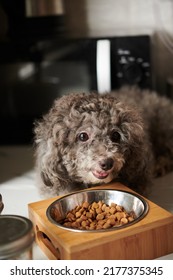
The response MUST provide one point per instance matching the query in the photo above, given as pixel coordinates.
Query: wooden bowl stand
(150, 238)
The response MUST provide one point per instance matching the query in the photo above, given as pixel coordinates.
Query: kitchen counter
(17, 186)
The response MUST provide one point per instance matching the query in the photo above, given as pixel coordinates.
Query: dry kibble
(101, 222)
(85, 223)
(70, 216)
(78, 214)
(98, 210)
(79, 220)
(103, 207)
(106, 225)
(85, 204)
(75, 224)
(112, 210)
(96, 215)
(78, 207)
(99, 217)
(84, 218)
(88, 215)
(99, 227)
(124, 220)
(107, 209)
(95, 205)
(118, 208)
(92, 227)
(130, 219)
(112, 221)
(113, 205)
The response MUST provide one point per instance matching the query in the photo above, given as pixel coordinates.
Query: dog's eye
(115, 136)
(83, 136)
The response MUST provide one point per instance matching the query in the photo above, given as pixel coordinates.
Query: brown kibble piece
(106, 225)
(89, 215)
(112, 210)
(100, 217)
(124, 220)
(95, 205)
(113, 205)
(120, 215)
(78, 214)
(101, 222)
(103, 207)
(85, 204)
(118, 208)
(130, 219)
(98, 210)
(111, 221)
(70, 217)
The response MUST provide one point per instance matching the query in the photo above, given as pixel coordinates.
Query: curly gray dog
(91, 139)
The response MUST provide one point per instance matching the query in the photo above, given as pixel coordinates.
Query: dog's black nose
(106, 164)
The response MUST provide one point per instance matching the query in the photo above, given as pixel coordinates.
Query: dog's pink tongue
(100, 174)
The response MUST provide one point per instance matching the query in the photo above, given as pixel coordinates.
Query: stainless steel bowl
(130, 202)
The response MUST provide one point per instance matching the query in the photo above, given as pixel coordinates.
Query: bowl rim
(145, 212)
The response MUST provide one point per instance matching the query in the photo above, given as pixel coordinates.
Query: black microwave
(115, 61)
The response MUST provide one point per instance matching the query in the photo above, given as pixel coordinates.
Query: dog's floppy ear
(51, 174)
(138, 156)
(46, 179)
(49, 166)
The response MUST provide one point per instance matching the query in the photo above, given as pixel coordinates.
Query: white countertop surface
(17, 186)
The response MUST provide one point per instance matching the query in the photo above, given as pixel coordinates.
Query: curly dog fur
(91, 139)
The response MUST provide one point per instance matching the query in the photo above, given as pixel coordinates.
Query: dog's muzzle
(105, 167)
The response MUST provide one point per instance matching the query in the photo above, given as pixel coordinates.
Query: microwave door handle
(103, 65)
